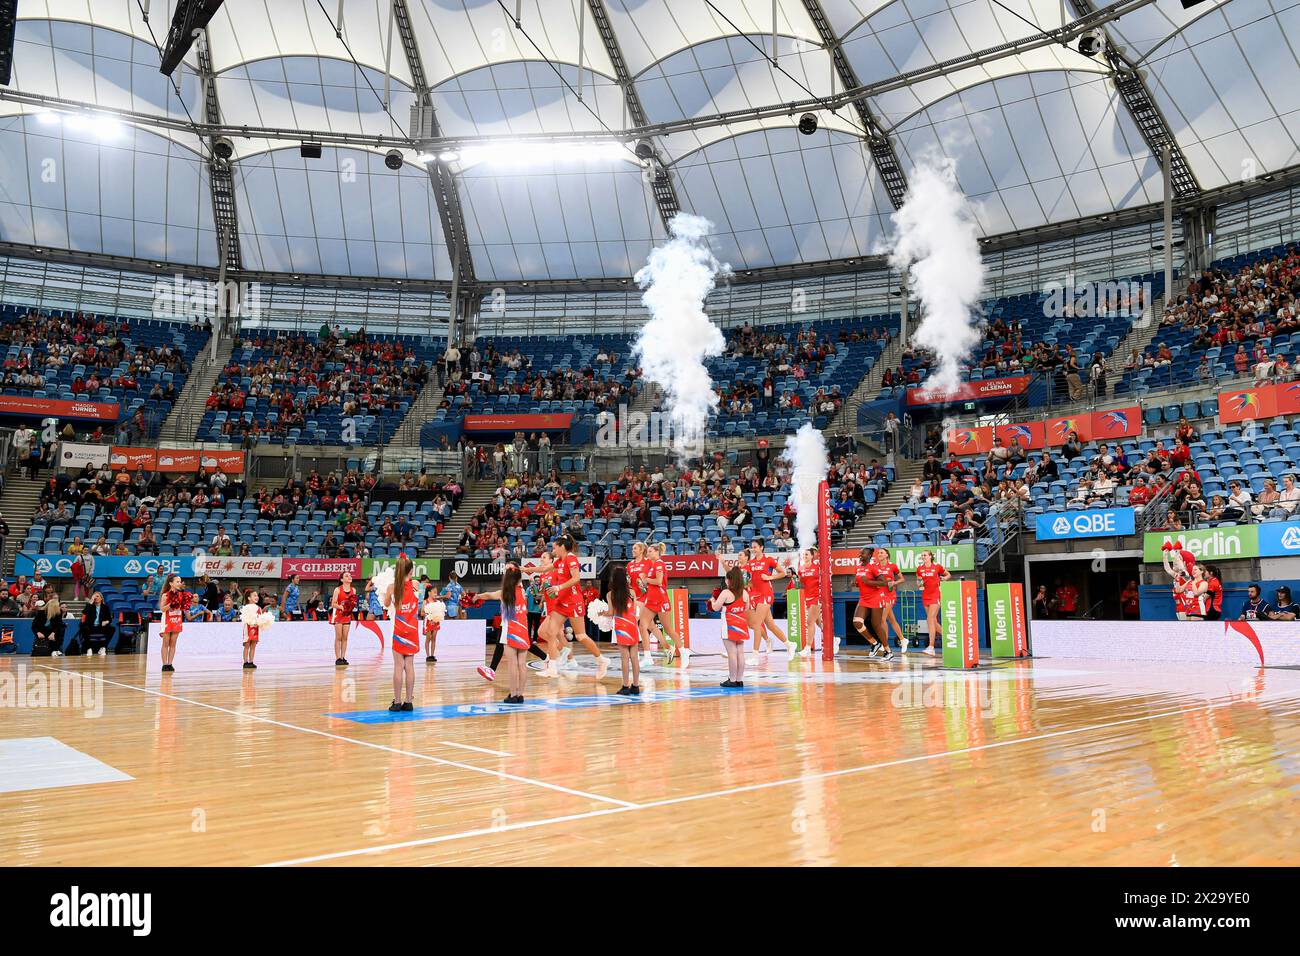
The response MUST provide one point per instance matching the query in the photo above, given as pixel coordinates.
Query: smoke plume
(806, 454)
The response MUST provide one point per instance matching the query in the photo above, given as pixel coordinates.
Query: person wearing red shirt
(654, 606)
(564, 605)
(870, 598)
(762, 571)
(1213, 593)
(637, 586)
(810, 593)
(888, 572)
(930, 574)
(1067, 599)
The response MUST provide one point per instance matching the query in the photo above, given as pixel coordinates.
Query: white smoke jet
(672, 346)
(806, 453)
(935, 237)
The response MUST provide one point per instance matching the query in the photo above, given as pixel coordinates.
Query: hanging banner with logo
(679, 606)
(76, 455)
(121, 456)
(958, 603)
(319, 569)
(969, 441)
(512, 423)
(1031, 435)
(1093, 523)
(1057, 430)
(1208, 544)
(430, 566)
(1116, 423)
(234, 566)
(26, 406)
(794, 617)
(488, 568)
(1006, 607)
(692, 566)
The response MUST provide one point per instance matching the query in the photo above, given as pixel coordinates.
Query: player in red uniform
(343, 605)
(930, 574)
(763, 570)
(404, 604)
(654, 608)
(627, 631)
(514, 631)
(173, 604)
(891, 577)
(870, 600)
(810, 593)
(733, 602)
(637, 588)
(1213, 593)
(564, 604)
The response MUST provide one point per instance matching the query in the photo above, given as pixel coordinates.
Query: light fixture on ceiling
(1092, 43)
(643, 149)
(808, 124)
(310, 150)
(223, 148)
(393, 159)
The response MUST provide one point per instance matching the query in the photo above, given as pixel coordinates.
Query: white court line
(482, 750)
(624, 804)
(672, 801)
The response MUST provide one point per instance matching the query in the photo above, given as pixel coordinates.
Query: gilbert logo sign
(1095, 523)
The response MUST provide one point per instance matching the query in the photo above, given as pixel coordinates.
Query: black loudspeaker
(310, 151)
(8, 16)
(1188, 4)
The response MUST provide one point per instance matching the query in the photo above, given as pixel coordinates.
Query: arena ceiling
(1038, 137)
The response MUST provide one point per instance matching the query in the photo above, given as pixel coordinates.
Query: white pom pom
(249, 613)
(265, 620)
(598, 613)
(383, 581)
(435, 611)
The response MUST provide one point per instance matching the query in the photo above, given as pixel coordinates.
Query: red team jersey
(569, 602)
(516, 628)
(406, 621)
(760, 590)
(930, 576)
(656, 595)
(736, 624)
(868, 596)
(626, 632)
(636, 577)
(888, 572)
(810, 580)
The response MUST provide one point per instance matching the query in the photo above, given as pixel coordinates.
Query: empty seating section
(139, 364)
(287, 387)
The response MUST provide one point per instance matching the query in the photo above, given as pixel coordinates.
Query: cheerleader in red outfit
(514, 633)
(627, 633)
(733, 602)
(404, 603)
(343, 605)
(810, 593)
(930, 573)
(173, 605)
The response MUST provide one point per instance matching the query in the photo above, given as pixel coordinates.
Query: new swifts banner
(976, 391)
(1031, 435)
(970, 441)
(1264, 401)
(173, 460)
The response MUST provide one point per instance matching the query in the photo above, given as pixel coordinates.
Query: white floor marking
(624, 804)
(921, 758)
(482, 750)
(46, 763)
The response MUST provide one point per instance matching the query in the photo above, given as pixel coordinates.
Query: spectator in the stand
(1284, 609)
(1065, 599)
(1288, 498)
(97, 625)
(1129, 602)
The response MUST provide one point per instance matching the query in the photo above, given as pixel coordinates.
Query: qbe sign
(1095, 523)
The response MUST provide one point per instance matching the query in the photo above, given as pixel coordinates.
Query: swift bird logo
(1023, 432)
(1065, 426)
(963, 437)
(1243, 401)
(1245, 630)
(1115, 421)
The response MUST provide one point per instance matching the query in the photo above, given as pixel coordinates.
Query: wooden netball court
(1043, 762)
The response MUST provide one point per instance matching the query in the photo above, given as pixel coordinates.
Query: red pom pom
(1167, 546)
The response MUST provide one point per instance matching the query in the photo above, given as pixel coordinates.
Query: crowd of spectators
(476, 374)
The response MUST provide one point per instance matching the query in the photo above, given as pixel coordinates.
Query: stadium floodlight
(644, 150)
(393, 159)
(223, 148)
(1092, 43)
(190, 17)
(808, 124)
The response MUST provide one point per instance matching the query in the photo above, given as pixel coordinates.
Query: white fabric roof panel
(1037, 138)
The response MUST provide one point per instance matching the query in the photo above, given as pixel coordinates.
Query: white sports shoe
(837, 645)
(686, 657)
(565, 654)
(602, 665)
(806, 652)
(549, 670)
(647, 659)
(928, 650)
(89, 652)
(103, 652)
(752, 660)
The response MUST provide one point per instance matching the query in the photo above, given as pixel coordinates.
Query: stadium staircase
(885, 507)
(18, 503)
(847, 418)
(406, 440)
(183, 422)
(1140, 334)
(476, 495)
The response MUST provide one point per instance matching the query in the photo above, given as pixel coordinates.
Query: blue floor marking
(539, 705)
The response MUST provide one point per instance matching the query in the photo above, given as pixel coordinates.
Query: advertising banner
(319, 569)
(1057, 430)
(1032, 435)
(60, 565)
(515, 423)
(74, 456)
(29, 407)
(1093, 523)
(679, 606)
(980, 390)
(430, 566)
(1116, 423)
(970, 441)
(487, 568)
(794, 618)
(1006, 607)
(957, 609)
(234, 566)
(1207, 544)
